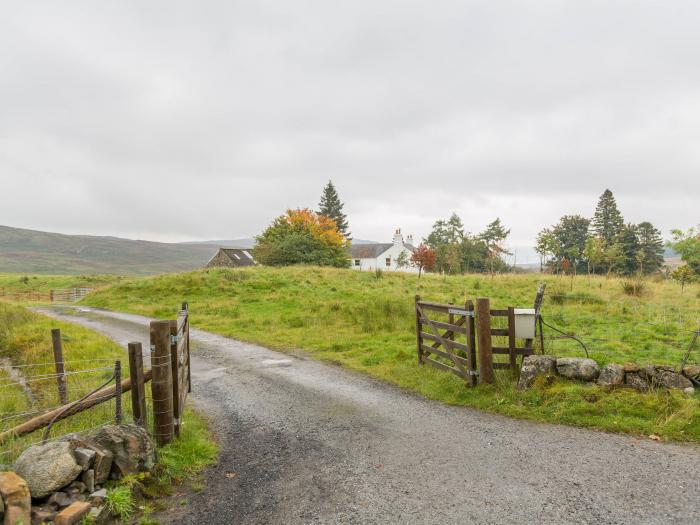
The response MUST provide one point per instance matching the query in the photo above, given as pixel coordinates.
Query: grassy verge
(366, 322)
(12, 283)
(25, 341)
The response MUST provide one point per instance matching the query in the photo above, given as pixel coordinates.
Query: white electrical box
(524, 323)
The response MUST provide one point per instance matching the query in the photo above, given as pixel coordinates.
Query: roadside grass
(366, 323)
(11, 283)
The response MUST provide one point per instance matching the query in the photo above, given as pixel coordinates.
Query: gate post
(162, 382)
(483, 322)
(59, 363)
(419, 327)
(138, 393)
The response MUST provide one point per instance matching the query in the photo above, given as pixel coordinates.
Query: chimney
(398, 238)
(409, 239)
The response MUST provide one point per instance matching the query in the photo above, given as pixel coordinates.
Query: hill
(30, 251)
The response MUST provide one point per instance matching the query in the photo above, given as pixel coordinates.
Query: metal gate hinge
(174, 339)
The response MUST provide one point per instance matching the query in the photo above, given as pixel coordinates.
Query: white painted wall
(380, 262)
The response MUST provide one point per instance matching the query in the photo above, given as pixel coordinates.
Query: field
(365, 322)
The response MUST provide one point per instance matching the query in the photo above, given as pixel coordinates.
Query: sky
(178, 121)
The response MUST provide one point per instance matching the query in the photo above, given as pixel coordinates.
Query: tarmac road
(313, 443)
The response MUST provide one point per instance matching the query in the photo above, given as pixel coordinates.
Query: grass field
(366, 322)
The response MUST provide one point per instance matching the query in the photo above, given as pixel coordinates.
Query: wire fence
(620, 331)
(30, 391)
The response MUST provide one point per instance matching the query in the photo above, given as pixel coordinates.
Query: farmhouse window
(357, 262)
(388, 261)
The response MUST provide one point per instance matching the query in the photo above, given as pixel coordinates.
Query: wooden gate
(446, 352)
(180, 351)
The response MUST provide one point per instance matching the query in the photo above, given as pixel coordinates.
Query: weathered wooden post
(118, 392)
(162, 382)
(138, 390)
(419, 328)
(60, 365)
(471, 340)
(186, 334)
(175, 363)
(483, 322)
(513, 357)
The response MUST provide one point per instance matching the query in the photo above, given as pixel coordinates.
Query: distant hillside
(29, 251)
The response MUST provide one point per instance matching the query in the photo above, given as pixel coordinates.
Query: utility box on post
(525, 323)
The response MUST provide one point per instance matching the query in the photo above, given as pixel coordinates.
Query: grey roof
(372, 251)
(239, 256)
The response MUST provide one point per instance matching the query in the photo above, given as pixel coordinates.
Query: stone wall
(61, 481)
(611, 375)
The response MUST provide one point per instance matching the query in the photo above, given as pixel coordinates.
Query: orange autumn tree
(423, 258)
(302, 237)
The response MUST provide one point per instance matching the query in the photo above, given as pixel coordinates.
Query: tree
(493, 236)
(651, 248)
(688, 245)
(629, 246)
(570, 234)
(546, 246)
(402, 260)
(423, 258)
(607, 221)
(331, 207)
(682, 275)
(302, 237)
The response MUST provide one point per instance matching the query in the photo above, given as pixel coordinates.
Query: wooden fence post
(60, 365)
(162, 382)
(513, 357)
(419, 327)
(175, 363)
(118, 392)
(186, 308)
(471, 340)
(483, 322)
(138, 390)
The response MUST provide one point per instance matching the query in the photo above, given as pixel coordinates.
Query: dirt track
(313, 443)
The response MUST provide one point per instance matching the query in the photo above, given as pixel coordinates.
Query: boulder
(635, 380)
(630, 367)
(48, 467)
(132, 448)
(578, 368)
(611, 375)
(88, 478)
(72, 514)
(43, 514)
(535, 366)
(692, 372)
(690, 391)
(672, 379)
(17, 501)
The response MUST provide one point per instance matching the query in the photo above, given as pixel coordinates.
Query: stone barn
(231, 258)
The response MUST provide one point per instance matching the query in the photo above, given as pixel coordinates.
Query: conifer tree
(607, 221)
(651, 248)
(331, 207)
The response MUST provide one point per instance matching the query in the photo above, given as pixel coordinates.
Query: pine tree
(651, 248)
(332, 207)
(629, 244)
(607, 221)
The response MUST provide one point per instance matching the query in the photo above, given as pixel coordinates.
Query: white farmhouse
(383, 255)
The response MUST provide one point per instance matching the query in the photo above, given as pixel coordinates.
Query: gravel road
(313, 443)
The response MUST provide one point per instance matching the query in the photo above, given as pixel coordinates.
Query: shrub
(635, 288)
(120, 502)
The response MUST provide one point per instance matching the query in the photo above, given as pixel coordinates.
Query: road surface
(313, 443)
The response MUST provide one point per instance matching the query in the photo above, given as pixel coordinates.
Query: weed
(120, 502)
(378, 273)
(635, 288)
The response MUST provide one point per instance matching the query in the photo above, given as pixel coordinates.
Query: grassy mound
(365, 322)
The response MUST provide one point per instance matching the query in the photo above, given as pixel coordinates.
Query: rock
(17, 501)
(43, 514)
(611, 375)
(672, 379)
(73, 514)
(634, 380)
(88, 479)
(648, 372)
(578, 368)
(48, 467)
(84, 457)
(77, 487)
(693, 373)
(690, 391)
(61, 500)
(630, 367)
(98, 497)
(132, 447)
(535, 366)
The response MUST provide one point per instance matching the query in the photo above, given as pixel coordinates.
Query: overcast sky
(199, 120)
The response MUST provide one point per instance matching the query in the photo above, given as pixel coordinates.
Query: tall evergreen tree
(607, 221)
(651, 248)
(331, 207)
(629, 244)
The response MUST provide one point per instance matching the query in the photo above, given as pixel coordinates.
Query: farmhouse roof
(237, 256)
(373, 250)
